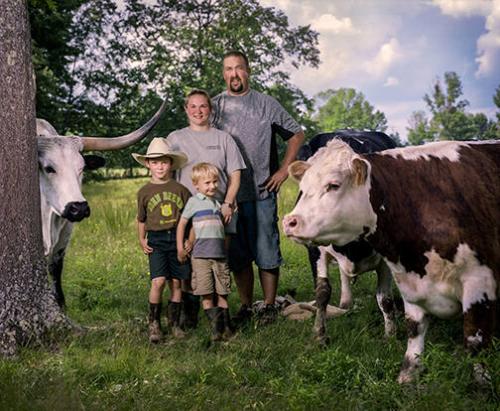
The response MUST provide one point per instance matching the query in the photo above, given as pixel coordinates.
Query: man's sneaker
(267, 315)
(242, 317)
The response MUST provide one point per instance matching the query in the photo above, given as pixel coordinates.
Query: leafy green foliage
(117, 61)
(496, 100)
(419, 130)
(51, 23)
(450, 120)
(348, 108)
(114, 367)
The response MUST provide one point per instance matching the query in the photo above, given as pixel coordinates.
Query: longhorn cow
(61, 166)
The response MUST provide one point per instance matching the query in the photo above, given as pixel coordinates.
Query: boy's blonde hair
(203, 170)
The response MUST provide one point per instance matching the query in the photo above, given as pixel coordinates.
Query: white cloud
(488, 45)
(391, 82)
(328, 23)
(281, 4)
(461, 8)
(388, 54)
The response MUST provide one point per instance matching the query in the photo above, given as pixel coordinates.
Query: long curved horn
(116, 143)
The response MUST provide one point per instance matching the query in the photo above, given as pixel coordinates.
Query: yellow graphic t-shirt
(160, 205)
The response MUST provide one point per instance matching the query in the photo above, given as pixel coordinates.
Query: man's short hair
(203, 170)
(237, 53)
(198, 92)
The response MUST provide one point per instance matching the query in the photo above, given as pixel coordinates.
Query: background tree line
(449, 117)
(102, 68)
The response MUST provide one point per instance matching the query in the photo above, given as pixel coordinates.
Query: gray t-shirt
(212, 146)
(253, 120)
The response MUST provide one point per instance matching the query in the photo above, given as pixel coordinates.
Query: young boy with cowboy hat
(160, 203)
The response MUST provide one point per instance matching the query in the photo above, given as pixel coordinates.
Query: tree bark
(28, 311)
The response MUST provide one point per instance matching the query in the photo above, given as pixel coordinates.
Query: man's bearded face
(236, 75)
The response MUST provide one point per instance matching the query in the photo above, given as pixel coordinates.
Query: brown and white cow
(354, 258)
(432, 212)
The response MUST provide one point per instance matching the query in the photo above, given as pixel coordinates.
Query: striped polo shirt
(208, 226)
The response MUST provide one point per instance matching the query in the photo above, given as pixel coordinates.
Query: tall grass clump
(113, 366)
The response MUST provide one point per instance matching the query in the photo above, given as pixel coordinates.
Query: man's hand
(274, 182)
(145, 247)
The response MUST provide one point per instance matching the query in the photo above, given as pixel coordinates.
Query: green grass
(278, 367)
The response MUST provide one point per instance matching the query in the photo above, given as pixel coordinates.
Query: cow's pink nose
(290, 222)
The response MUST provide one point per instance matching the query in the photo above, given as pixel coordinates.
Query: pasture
(113, 366)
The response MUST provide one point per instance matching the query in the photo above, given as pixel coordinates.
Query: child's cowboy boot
(174, 313)
(227, 328)
(214, 315)
(189, 312)
(154, 322)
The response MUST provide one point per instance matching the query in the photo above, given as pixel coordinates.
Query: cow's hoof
(405, 377)
(481, 375)
(390, 330)
(322, 340)
(407, 374)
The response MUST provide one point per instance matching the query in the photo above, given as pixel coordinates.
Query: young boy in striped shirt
(210, 272)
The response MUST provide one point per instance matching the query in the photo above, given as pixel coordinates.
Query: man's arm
(293, 146)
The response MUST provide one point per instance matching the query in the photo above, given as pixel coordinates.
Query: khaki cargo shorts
(209, 275)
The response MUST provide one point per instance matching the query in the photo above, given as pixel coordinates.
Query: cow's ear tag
(297, 169)
(360, 171)
(93, 162)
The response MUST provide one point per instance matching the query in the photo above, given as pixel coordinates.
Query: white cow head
(61, 167)
(334, 204)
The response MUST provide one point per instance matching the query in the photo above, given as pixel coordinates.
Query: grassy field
(279, 367)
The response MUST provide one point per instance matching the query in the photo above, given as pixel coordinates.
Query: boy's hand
(182, 255)
(145, 247)
(188, 246)
(227, 213)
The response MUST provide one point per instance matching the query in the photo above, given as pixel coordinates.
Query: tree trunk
(28, 311)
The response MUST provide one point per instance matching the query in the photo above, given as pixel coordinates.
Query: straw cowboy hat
(159, 148)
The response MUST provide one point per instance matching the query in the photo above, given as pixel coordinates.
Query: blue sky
(394, 50)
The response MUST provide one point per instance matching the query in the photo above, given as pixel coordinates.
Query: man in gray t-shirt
(253, 119)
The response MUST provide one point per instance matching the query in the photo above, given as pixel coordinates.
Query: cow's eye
(332, 187)
(49, 169)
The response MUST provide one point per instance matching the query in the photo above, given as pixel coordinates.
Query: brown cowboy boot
(227, 328)
(214, 315)
(174, 313)
(154, 323)
(189, 313)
